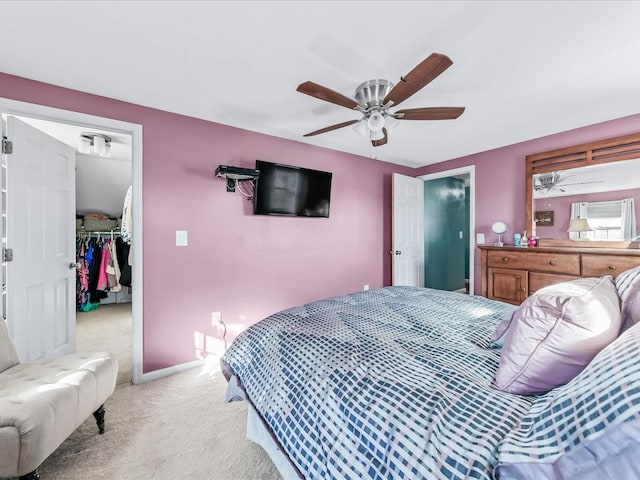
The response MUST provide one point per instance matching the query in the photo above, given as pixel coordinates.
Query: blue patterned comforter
(391, 383)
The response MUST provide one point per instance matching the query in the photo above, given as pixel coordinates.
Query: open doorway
(103, 177)
(85, 122)
(449, 220)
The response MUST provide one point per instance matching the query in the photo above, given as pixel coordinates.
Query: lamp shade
(84, 145)
(579, 225)
(376, 122)
(99, 145)
(376, 135)
(362, 128)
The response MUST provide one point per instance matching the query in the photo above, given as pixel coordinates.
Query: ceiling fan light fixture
(374, 98)
(376, 122)
(376, 135)
(362, 128)
(390, 121)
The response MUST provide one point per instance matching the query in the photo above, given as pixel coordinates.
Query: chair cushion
(8, 355)
(42, 403)
(555, 333)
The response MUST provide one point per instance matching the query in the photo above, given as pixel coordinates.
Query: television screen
(293, 191)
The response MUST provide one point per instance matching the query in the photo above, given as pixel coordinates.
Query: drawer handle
(552, 262)
(505, 259)
(612, 267)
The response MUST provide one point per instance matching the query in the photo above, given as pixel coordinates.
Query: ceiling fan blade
(430, 113)
(425, 72)
(332, 127)
(382, 141)
(326, 94)
(577, 183)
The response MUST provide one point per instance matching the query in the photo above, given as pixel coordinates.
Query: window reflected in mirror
(605, 195)
(615, 220)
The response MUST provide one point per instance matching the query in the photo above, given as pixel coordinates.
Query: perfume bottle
(516, 239)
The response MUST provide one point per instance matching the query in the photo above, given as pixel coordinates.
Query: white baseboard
(165, 372)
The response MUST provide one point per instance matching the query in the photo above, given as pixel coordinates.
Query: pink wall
(561, 207)
(500, 175)
(243, 265)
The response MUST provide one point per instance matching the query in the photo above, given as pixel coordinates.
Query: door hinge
(7, 254)
(7, 146)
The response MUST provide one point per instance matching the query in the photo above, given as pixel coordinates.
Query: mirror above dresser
(597, 178)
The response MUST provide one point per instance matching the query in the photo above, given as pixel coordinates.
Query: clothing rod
(98, 232)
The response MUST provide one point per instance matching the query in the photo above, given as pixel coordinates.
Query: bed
(395, 383)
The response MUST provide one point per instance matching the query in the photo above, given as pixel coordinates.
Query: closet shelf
(114, 231)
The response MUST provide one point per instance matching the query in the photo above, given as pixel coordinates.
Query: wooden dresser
(511, 274)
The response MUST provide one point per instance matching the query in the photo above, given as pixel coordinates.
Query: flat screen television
(291, 191)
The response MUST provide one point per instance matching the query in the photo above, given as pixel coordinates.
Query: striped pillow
(628, 286)
(605, 394)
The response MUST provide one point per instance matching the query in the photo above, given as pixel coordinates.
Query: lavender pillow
(555, 333)
(497, 337)
(628, 286)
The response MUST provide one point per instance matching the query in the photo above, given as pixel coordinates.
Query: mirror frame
(626, 147)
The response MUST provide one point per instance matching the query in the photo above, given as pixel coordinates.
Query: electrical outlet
(216, 318)
(480, 238)
(366, 287)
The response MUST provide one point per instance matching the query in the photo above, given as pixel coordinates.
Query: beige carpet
(173, 428)
(107, 328)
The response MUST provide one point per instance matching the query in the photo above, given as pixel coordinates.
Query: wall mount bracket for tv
(233, 175)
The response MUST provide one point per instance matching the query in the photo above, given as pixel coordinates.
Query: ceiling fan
(374, 98)
(548, 182)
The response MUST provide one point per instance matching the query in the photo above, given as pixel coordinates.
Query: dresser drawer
(538, 280)
(567, 263)
(600, 265)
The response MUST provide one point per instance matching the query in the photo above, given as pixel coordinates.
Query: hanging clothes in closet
(99, 270)
(123, 243)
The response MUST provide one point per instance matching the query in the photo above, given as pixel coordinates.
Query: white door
(408, 231)
(40, 230)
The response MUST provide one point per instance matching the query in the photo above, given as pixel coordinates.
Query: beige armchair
(43, 402)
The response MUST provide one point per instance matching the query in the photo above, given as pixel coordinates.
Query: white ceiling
(101, 182)
(70, 135)
(522, 69)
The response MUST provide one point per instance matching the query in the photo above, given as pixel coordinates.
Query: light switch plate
(480, 238)
(181, 238)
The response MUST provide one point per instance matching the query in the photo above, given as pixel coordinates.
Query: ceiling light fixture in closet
(95, 143)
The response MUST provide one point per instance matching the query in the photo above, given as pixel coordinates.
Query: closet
(103, 273)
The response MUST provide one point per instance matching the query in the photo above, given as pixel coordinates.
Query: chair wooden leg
(99, 416)
(31, 476)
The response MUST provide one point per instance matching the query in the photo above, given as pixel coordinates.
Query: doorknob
(73, 266)
(397, 252)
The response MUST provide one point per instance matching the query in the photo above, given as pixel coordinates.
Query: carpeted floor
(173, 428)
(107, 328)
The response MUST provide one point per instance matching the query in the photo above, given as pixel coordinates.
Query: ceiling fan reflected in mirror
(547, 182)
(375, 98)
